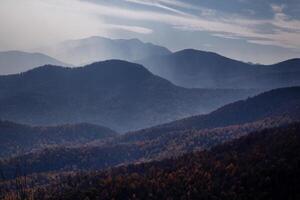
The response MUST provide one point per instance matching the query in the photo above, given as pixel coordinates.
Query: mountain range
(94, 49)
(116, 94)
(186, 68)
(155, 125)
(173, 139)
(12, 62)
(199, 69)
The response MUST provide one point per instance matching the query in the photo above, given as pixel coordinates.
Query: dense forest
(20, 139)
(262, 165)
(52, 157)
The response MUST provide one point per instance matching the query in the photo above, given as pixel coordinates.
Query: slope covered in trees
(263, 165)
(174, 139)
(117, 94)
(277, 102)
(20, 139)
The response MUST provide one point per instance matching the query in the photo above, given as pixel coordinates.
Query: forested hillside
(169, 140)
(262, 165)
(20, 139)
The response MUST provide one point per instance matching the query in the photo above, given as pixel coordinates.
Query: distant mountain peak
(201, 69)
(196, 52)
(118, 66)
(12, 62)
(292, 62)
(112, 62)
(97, 48)
(135, 40)
(46, 67)
(108, 67)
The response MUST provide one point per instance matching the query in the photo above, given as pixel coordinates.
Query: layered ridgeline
(12, 62)
(199, 69)
(92, 49)
(116, 94)
(262, 165)
(270, 109)
(20, 139)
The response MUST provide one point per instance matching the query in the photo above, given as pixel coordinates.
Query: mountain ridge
(200, 69)
(12, 62)
(112, 93)
(96, 48)
(170, 140)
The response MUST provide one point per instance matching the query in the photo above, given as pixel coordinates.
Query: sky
(258, 31)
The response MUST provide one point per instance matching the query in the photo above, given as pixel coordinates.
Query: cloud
(174, 3)
(136, 29)
(277, 8)
(52, 20)
(158, 4)
(282, 20)
(33, 23)
(226, 25)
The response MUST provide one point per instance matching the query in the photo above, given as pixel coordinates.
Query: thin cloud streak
(174, 3)
(229, 26)
(135, 29)
(77, 18)
(156, 4)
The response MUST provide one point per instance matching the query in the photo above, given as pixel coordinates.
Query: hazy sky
(264, 31)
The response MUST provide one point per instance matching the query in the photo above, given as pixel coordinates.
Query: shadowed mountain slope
(198, 69)
(12, 62)
(170, 140)
(117, 94)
